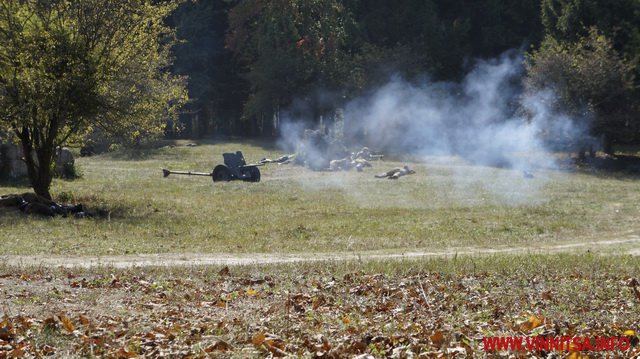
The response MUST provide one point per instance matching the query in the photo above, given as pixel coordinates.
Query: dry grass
(446, 204)
(424, 308)
(342, 309)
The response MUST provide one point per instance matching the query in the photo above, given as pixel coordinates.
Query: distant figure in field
(31, 203)
(340, 165)
(281, 160)
(360, 164)
(364, 153)
(396, 173)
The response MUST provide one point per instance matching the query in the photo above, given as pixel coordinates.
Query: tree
(592, 84)
(570, 20)
(287, 48)
(215, 89)
(406, 37)
(439, 37)
(67, 66)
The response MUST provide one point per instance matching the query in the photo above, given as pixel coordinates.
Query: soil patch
(628, 245)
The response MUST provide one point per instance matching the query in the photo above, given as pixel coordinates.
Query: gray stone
(12, 163)
(64, 162)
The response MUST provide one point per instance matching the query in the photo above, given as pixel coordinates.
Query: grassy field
(424, 308)
(447, 204)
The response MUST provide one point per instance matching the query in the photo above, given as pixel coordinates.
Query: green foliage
(69, 171)
(291, 50)
(591, 81)
(215, 89)
(69, 66)
(407, 37)
(287, 48)
(570, 20)
(442, 35)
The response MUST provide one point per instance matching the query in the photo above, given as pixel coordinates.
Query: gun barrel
(167, 172)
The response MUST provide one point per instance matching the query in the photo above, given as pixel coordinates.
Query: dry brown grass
(421, 308)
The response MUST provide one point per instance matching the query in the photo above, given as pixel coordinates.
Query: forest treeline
(72, 70)
(248, 60)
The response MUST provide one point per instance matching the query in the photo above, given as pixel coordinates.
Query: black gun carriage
(234, 168)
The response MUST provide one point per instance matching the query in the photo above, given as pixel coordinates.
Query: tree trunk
(43, 181)
(608, 145)
(275, 125)
(582, 154)
(39, 172)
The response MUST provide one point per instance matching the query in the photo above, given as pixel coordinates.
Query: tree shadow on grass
(623, 167)
(266, 144)
(14, 182)
(148, 150)
(133, 153)
(26, 205)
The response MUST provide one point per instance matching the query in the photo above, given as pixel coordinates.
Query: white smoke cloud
(479, 121)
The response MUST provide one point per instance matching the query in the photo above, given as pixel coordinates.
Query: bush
(592, 84)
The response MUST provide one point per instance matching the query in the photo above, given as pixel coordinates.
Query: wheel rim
(221, 174)
(253, 174)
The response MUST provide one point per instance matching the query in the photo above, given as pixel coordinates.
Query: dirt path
(628, 245)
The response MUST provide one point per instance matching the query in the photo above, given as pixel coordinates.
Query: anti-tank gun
(234, 168)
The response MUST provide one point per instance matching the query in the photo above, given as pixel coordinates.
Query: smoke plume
(490, 133)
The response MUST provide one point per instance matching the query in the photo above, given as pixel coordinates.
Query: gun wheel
(221, 174)
(252, 173)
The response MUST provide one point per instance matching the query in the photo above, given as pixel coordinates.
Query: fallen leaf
(258, 339)
(224, 271)
(50, 324)
(274, 350)
(576, 355)
(275, 342)
(17, 353)
(123, 353)
(437, 339)
(48, 350)
(84, 320)
(67, 324)
(531, 323)
(6, 334)
(456, 351)
(219, 345)
(633, 338)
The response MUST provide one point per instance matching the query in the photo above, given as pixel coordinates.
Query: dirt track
(628, 245)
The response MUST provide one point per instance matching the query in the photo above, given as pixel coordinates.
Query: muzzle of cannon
(234, 168)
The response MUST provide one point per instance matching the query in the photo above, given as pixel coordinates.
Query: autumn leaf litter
(200, 313)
